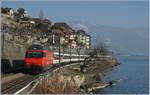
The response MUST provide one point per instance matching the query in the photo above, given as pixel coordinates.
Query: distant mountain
(122, 40)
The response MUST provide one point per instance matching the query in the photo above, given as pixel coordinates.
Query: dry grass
(54, 86)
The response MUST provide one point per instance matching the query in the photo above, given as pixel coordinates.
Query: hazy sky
(114, 13)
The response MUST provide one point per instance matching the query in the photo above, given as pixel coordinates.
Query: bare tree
(102, 49)
(41, 14)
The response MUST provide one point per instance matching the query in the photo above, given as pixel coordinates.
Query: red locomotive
(38, 58)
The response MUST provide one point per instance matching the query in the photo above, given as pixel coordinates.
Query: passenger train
(40, 58)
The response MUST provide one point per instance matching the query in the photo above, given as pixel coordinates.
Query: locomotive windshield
(35, 55)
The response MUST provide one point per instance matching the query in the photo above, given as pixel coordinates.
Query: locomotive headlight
(27, 63)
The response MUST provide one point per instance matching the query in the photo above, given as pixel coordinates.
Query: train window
(35, 54)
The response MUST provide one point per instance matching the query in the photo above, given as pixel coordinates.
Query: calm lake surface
(134, 75)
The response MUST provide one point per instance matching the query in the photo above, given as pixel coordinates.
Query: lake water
(134, 75)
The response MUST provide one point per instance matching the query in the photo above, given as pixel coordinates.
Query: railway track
(16, 85)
